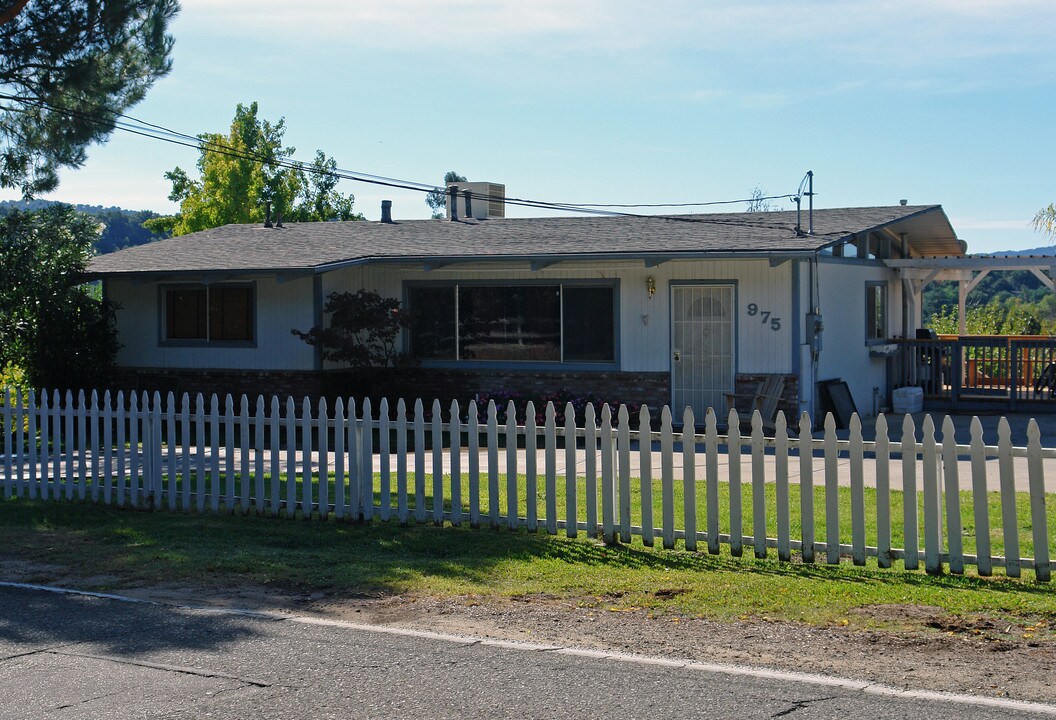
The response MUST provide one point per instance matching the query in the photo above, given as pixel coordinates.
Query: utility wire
(136, 126)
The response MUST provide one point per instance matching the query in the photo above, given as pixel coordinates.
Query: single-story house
(672, 310)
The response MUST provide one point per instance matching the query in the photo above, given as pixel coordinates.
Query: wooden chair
(765, 399)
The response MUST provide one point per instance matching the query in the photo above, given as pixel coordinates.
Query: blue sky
(935, 101)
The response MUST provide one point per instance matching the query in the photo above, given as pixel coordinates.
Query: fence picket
(384, 459)
(645, 463)
(531, 470)
(366, 459)
(291, 457)
(856, 452)
(57, 443)
(511, 465)
(31, 441)
(44, 476)
(215, 486)
(185, 441)
(953, 497)
(157, 487)
(910, 522)
(1009, 519)
(550, 434)
(493, 464)
(322, 430)
(733, 459)
(932, 562)
(571, 499)
(68, 445)
(436, 437)
(401, 461)
(667, 478)
(259, 504)
(608, 477)
(122, 453)
(275, 443)
(354, 448)
(832, 492)
(806, 448)
(82, 445)
(9, 442)
(590, 468)
(711, 490)
(306, 459)
(95, 447)
(689, 478)
(623, 445)
(1038, 520)
(419, 461)
(200, 480)
(455, 439)
(784, 548)
(170, 445)
(758, 487)
(229, 454)
(882, 453)
(245, 486)
(340, 432)
(980, 502)
(108, 448)
(473, 436)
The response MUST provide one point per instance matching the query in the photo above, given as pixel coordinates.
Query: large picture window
(514, 323)
(208, 313)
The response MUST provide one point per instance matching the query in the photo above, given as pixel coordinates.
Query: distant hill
(1047, 250)
(123, 228)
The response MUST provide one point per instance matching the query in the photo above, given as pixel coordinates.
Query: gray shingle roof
(315, 247)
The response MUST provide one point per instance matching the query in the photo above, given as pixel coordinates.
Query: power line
(136, 126)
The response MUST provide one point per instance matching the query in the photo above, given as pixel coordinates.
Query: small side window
(875, 312)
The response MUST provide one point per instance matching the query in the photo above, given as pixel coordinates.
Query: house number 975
(766, 316)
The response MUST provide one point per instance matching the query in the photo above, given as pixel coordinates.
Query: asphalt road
(64, 656)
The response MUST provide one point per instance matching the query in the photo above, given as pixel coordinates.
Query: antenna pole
(810, 196)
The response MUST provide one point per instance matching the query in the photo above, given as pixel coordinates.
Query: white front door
(702, 362)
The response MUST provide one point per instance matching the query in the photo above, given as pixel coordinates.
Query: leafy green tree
(1045, 220)
(363, 329)
(67, 67)
(51, 325)
(241, 172)
(437, 199)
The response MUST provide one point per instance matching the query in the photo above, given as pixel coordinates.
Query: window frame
(562, 364)
(163, 315)
(871, 286)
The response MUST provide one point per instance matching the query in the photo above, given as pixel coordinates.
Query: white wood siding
(280, 307)
(844, 351)
(644, 322)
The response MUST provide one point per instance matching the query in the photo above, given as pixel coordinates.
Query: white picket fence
(146, 451)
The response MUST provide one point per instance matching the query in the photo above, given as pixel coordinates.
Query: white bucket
(907, 400)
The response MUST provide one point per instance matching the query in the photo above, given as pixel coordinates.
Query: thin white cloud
(884, 32)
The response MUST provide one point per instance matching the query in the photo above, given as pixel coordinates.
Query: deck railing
(1000, 369)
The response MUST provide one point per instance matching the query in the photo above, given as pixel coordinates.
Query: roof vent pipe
(386, 211)
(468, 194)
(903, 202)
(453, 190)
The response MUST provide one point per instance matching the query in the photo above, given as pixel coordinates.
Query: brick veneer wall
(393, 383)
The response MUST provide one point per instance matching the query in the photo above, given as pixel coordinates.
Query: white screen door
(701, 348)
